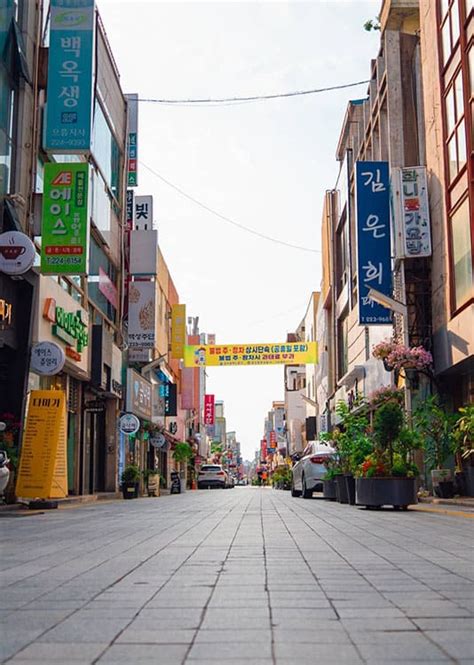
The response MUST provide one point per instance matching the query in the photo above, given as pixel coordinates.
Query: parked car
(212, 475)
(308, 472)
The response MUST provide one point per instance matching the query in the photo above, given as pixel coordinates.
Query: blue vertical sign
(373, 240)
(70, 73)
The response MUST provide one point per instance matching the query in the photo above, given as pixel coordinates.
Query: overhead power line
(252, 98)
(228, 219)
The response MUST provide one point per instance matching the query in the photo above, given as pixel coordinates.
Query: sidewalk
(17, 509)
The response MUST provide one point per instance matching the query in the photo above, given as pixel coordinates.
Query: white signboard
(129, 423)
(144, 213)
(141, 314)
(17, 253)
(47, 358)
(143, 252)
(411, 212)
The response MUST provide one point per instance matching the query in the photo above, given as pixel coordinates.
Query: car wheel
(294, 492)
(306, 493)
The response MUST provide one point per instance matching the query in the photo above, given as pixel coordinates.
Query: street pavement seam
(221, 570)
(392, 564)
(84, 605)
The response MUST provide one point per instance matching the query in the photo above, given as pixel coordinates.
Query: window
(461, 255)
(106, 151)
(455, 126)
(449, 27)
(100, 264)
(342, 345)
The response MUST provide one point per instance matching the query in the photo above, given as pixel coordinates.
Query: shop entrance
(94, 452)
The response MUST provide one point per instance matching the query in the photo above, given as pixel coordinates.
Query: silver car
(211, 475)
(309, 471)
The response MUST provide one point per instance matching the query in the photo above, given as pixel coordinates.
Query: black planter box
(469, 477)
(329, 490)
(376, 492)
(341, 489)
(130, 490)
(350, 488)
(445, 489)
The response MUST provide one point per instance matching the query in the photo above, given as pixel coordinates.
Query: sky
(264, 165)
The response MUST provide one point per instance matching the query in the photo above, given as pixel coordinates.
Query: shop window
(455, 126)
(100, 202)
(462, 271)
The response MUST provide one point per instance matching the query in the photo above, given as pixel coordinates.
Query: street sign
(129, 423)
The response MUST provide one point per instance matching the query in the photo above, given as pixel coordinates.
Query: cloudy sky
(263, 165)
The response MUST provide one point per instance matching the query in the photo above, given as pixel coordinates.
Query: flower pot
(376, 492)
(329, 490)
(469, 475)
(350, 488)
(445, 489)
(387, 365)
(341, 489)
(130, 490)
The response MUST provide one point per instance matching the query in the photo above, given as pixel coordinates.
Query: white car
(309, 471)
(212, 475)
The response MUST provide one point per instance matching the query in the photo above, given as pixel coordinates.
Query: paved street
(246, 576)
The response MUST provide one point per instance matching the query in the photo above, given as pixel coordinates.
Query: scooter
(4, 471)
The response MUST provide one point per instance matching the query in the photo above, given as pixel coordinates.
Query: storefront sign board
(17, 253)
(47, 358)
(65, 219)
(250, 354)
(43, 469)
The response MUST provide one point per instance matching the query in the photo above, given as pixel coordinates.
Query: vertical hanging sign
(132, 142)
(70, 77)
(178, 330)
(65, 219)
(373, 240)
(209, 409)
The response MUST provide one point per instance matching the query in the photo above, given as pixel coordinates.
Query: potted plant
(464, 445)
(329, 484)
(130, 481)
(437, 429)
(152, 479)
(388, 476)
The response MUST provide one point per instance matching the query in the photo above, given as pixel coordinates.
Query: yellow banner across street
(221, 355)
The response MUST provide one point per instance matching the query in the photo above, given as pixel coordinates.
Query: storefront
(101, 411)
(139, 402)
(16, 306)
(62, 320)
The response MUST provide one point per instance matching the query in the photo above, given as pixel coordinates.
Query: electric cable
(251, 98)
(228, 219)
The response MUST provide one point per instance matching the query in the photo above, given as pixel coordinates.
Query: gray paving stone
(145, 654)
(222, 651)
(251, 635)
(402, 651)
(71, 652)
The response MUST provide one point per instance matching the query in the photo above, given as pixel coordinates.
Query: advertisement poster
(65, 219)
(209, 410)
(43, 465)
(299, 353)
(141, 314)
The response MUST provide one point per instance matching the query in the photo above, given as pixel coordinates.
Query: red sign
(209, 409)
(273, 439)
(263, 450)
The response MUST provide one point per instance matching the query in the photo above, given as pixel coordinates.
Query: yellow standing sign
(221, 355)
(43, 464)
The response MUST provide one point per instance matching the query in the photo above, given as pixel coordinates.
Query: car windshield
(209, 467)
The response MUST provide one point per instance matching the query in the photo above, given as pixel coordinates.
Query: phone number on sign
(61, 260)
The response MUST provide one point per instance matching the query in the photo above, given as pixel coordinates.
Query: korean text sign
(70, 74)
(373, 240)
(209, 409)
(178, 330)
(43, 465)
(250, 354)
(65, 219)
